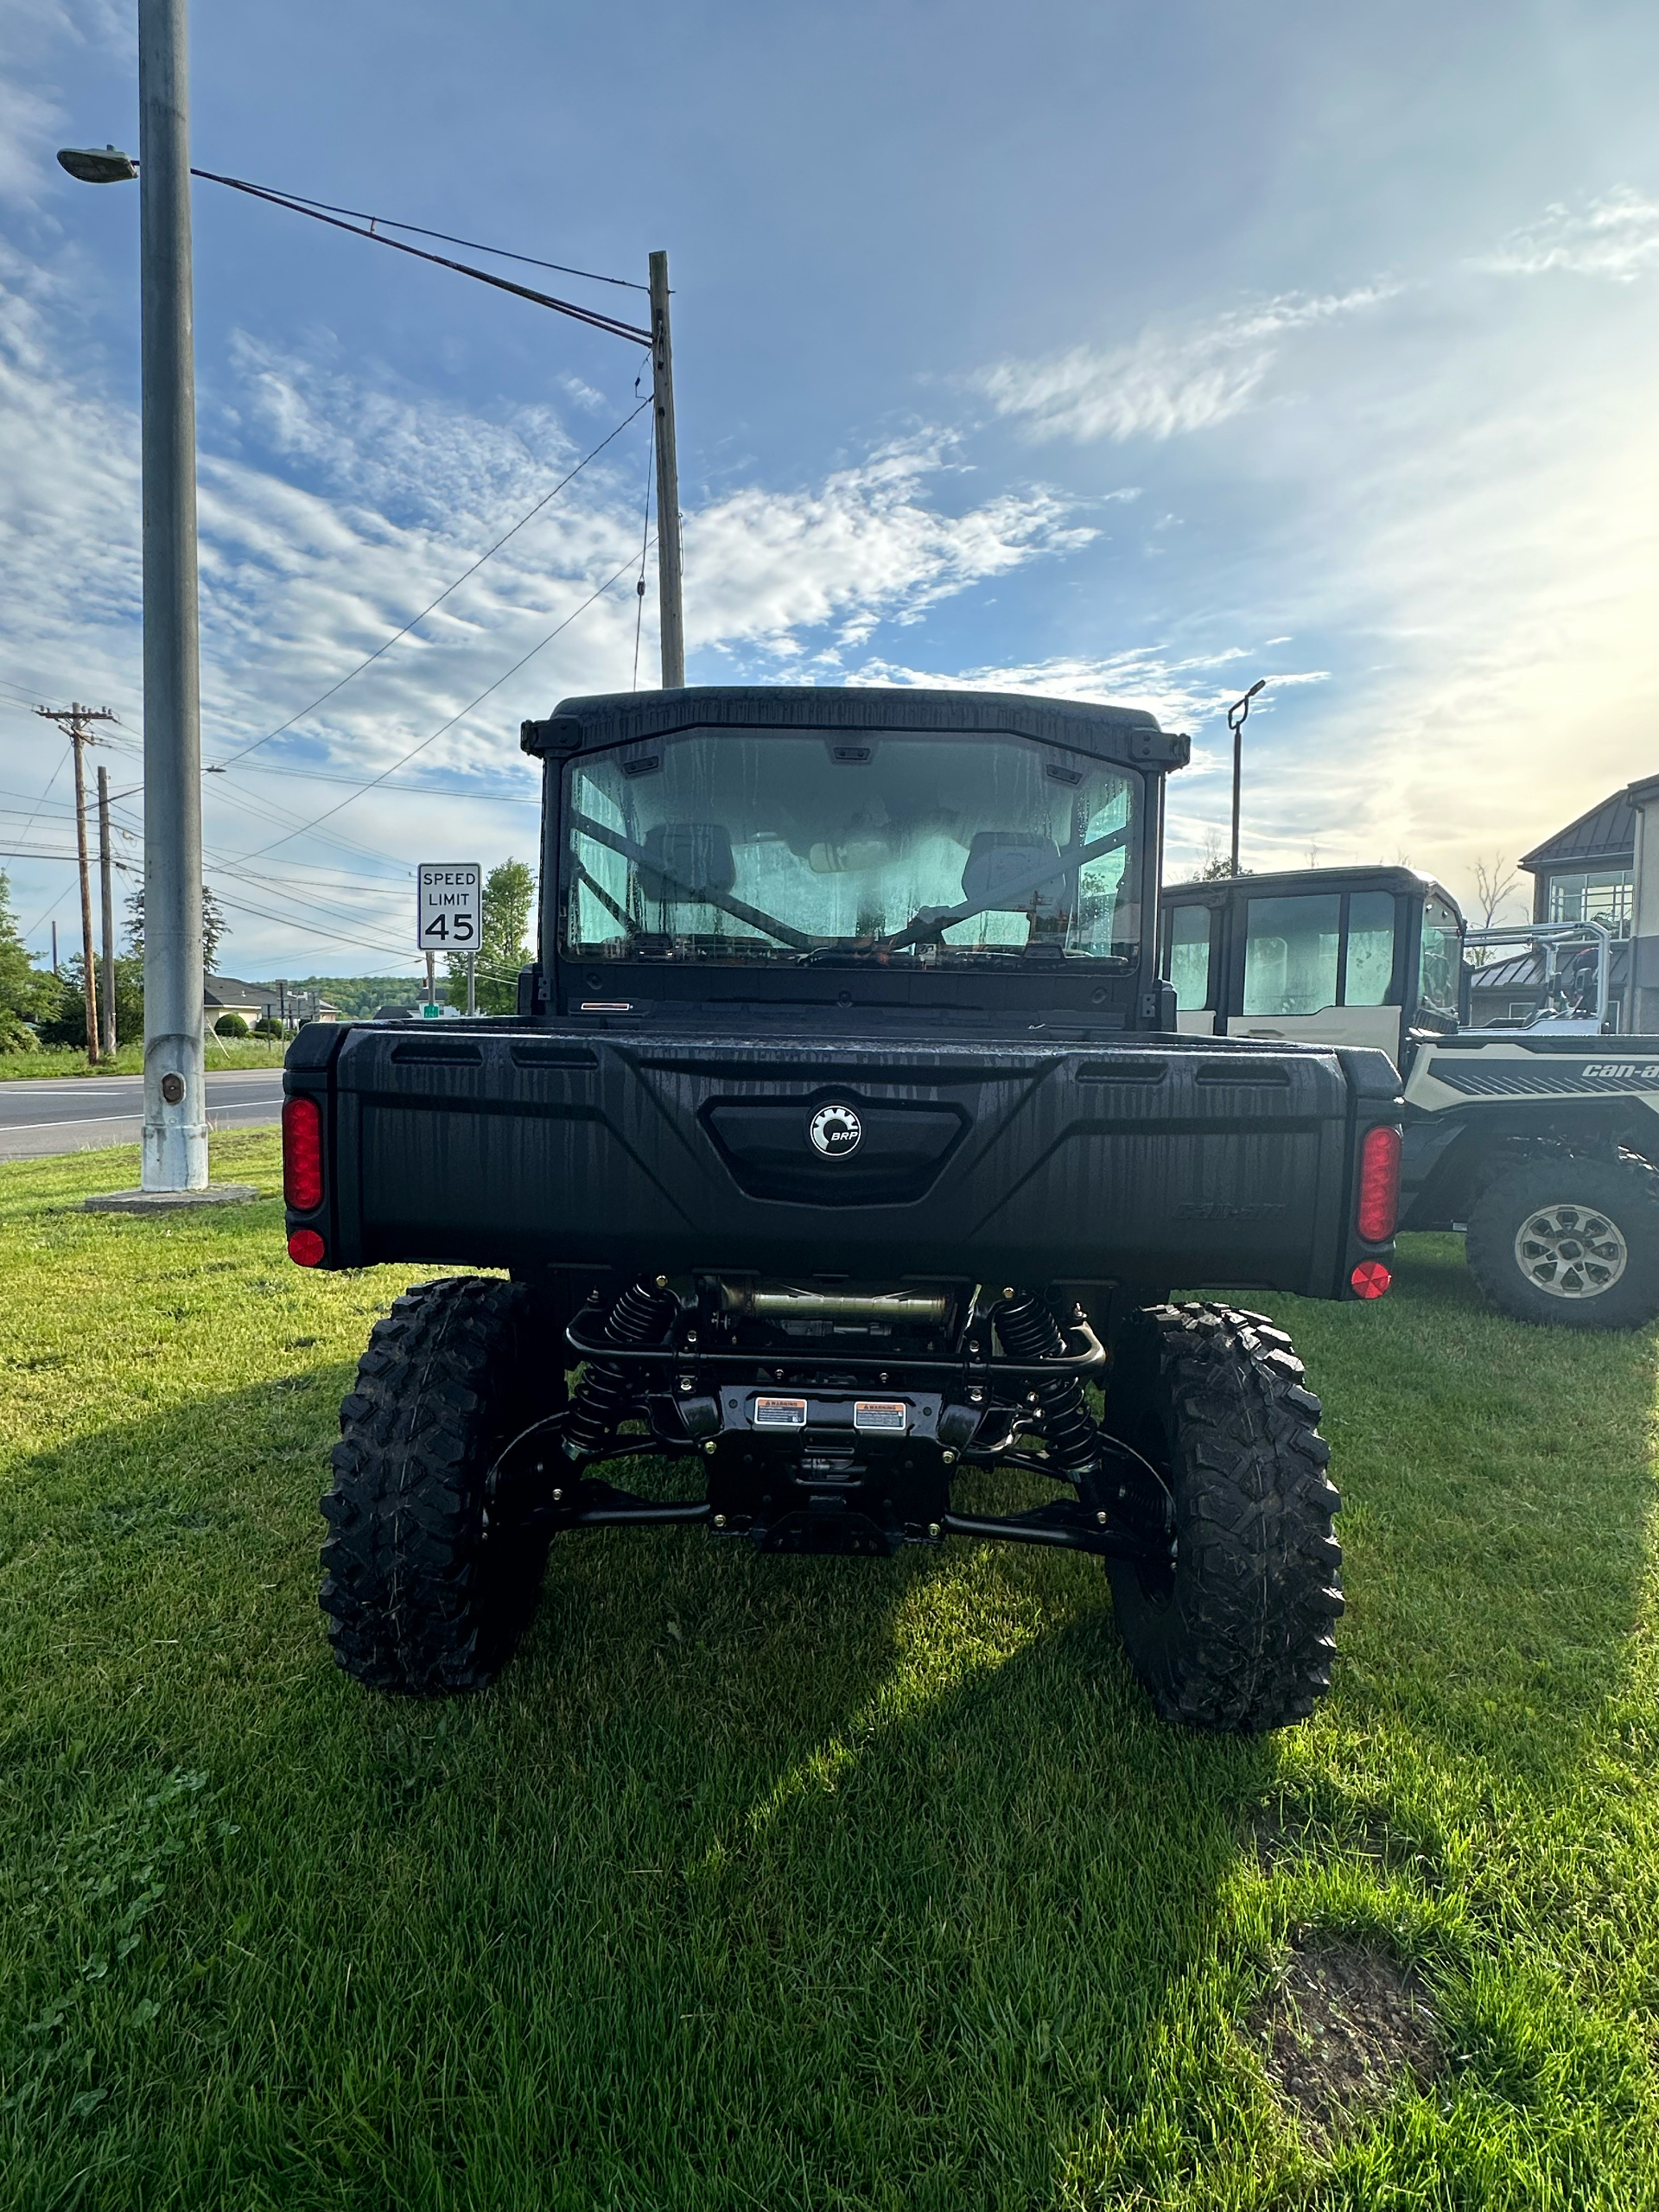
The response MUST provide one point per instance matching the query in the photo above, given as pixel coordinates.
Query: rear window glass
(780, 846)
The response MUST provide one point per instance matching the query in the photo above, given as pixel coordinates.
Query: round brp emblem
(834, 1131)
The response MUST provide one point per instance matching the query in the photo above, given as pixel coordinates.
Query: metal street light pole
(175, 1122)
(1237, 714)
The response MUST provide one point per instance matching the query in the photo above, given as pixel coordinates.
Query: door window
(1189, 929)
(1290, 954)
(1442, 959)
(1370, 948)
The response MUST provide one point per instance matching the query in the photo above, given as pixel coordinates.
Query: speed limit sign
(449, 915)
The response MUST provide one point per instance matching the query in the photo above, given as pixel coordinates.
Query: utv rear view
(841, 1154)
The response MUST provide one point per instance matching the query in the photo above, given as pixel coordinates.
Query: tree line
(40, 1007)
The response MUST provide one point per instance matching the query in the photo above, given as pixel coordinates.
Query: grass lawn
(221, 1052)
(790, 1883)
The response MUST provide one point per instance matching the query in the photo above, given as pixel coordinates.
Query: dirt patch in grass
(1345, 2026)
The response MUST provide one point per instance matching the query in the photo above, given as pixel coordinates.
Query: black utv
(843, 1146)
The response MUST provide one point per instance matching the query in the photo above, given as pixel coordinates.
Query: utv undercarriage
(841, 1422)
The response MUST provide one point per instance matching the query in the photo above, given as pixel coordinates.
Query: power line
(389, 222)
(373, 780)
(425, 791)
(441, 596)
(609, 323)
(50, 780)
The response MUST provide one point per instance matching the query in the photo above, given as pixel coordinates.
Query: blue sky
(1127, 352)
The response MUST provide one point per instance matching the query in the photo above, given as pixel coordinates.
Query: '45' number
(447, 928)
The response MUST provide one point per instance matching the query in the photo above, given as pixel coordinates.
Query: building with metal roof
(1586, 871)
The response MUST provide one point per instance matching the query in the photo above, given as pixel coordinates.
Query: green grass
(787, 1883)
(221, 1052)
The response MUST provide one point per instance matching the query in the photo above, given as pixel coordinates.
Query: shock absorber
(639, 1316)
(1030, 1332)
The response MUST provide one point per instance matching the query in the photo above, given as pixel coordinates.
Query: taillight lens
(303, 1156)
(306, 1248)
(1379, 1185)
(1369, 1279)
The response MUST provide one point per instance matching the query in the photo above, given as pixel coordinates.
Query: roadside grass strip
(219, 1052)
(791, 1882)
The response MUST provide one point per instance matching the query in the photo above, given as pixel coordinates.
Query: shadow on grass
(775, 1880)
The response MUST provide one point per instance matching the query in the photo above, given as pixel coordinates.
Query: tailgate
(1030, 1163)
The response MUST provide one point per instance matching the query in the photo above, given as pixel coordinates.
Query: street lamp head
(97, 164)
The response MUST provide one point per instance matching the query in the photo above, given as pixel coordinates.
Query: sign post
(448, 916)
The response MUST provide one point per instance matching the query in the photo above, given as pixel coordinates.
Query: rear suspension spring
(640, 1316)
(1030, 1332)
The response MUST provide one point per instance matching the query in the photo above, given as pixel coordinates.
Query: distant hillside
(364, 995)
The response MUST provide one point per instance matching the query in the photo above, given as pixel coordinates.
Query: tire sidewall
(1625, 1191)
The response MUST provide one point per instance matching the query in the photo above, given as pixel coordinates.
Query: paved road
(40, 1115)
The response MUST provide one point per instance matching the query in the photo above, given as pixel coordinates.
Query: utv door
(1316, 968)
(1326, 965)
(1194, 962)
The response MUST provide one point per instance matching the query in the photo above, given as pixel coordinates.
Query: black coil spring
(640, 1316)
(1029, 1332)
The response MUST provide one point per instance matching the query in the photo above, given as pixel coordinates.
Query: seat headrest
(693, 857)
(998, 872)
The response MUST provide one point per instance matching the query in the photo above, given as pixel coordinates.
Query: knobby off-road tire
(422, 1595)
(1236, 1634)
(1569, 1243)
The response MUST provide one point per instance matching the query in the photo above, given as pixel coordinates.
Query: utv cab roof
(1126, 733)
(1287, 882)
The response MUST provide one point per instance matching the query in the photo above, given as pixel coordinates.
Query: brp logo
(834, 1131)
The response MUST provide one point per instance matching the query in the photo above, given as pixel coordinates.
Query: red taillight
(1379, 1187)
(303, 1156)
(306, 1248)
(1369, 1279)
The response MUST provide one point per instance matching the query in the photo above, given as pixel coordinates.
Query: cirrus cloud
(1165, 383)
(1615, 236)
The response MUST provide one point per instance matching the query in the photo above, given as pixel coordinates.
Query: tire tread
(416, 1602)
(1243, 1644)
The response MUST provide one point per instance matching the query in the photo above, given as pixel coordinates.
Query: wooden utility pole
(74, 721)
(106, 895)
(672, 612)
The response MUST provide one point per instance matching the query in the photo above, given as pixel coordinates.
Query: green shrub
(65, 1015)
(268, 1025)
(230, 1025)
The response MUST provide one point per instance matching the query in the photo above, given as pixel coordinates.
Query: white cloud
(865, 548)
(1165, 383)
(1616, 236)
(1184, 691)
(331, 511)
(32, 116)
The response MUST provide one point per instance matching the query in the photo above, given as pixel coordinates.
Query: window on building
(1598, 895)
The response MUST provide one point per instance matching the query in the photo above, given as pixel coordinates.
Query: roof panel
(1607, 833)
